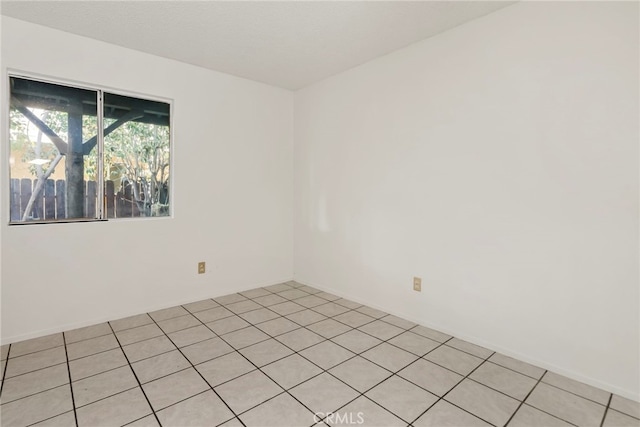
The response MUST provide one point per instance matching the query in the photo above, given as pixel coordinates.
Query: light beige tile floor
(284, 355)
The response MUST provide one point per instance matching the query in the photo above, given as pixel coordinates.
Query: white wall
(499, 162)
(233, 148)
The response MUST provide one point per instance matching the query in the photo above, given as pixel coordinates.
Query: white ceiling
(290, 44)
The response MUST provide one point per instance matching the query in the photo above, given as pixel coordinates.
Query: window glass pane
(136, 157)
(52, 151)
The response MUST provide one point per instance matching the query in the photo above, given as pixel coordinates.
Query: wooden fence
(50, 204)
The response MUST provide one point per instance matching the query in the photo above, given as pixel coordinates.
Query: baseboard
(120, 315)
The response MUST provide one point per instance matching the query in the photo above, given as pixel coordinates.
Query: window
(78, 153)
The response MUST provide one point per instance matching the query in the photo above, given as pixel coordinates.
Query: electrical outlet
(417, 284)
(201, 267)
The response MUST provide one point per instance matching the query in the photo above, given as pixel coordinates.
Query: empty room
(320, 213)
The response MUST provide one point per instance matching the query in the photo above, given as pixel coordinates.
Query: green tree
(138, 155)
(34, 152)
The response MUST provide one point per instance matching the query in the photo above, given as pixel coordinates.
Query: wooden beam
(91, 143)
(60, 143)
(74, 164)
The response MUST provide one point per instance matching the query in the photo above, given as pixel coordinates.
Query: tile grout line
(570, 392)
(513, 370)
(113, 331)
(402, 330)
(96, 353)
(90, 338)
(457, 384)
(111, 395)
(83, 357)
(73, 399)
(106, 351)
(285, 391)
(499, 391)
(606, 410)
(233, 314)
(538, 382)
(280, 316)
(107, 370)
(37, 392)
(523, 400)
(402, 378)
(415, 325)
(37, 351)
(548, 413)
(452, 388)
(312, 309)
(441, 344)
(405, 379)
(47, 419)
(291, 349)
(196, 370)
(35, 370)
(418, 359)
(135, 376)
(136, 420)
(4, 371)
(360, 394)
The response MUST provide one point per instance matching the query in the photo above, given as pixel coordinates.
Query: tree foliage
(138, 154)
(28, 142)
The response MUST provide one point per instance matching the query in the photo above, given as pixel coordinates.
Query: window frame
(100, 181)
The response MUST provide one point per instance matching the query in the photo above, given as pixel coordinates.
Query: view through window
(58, 149)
